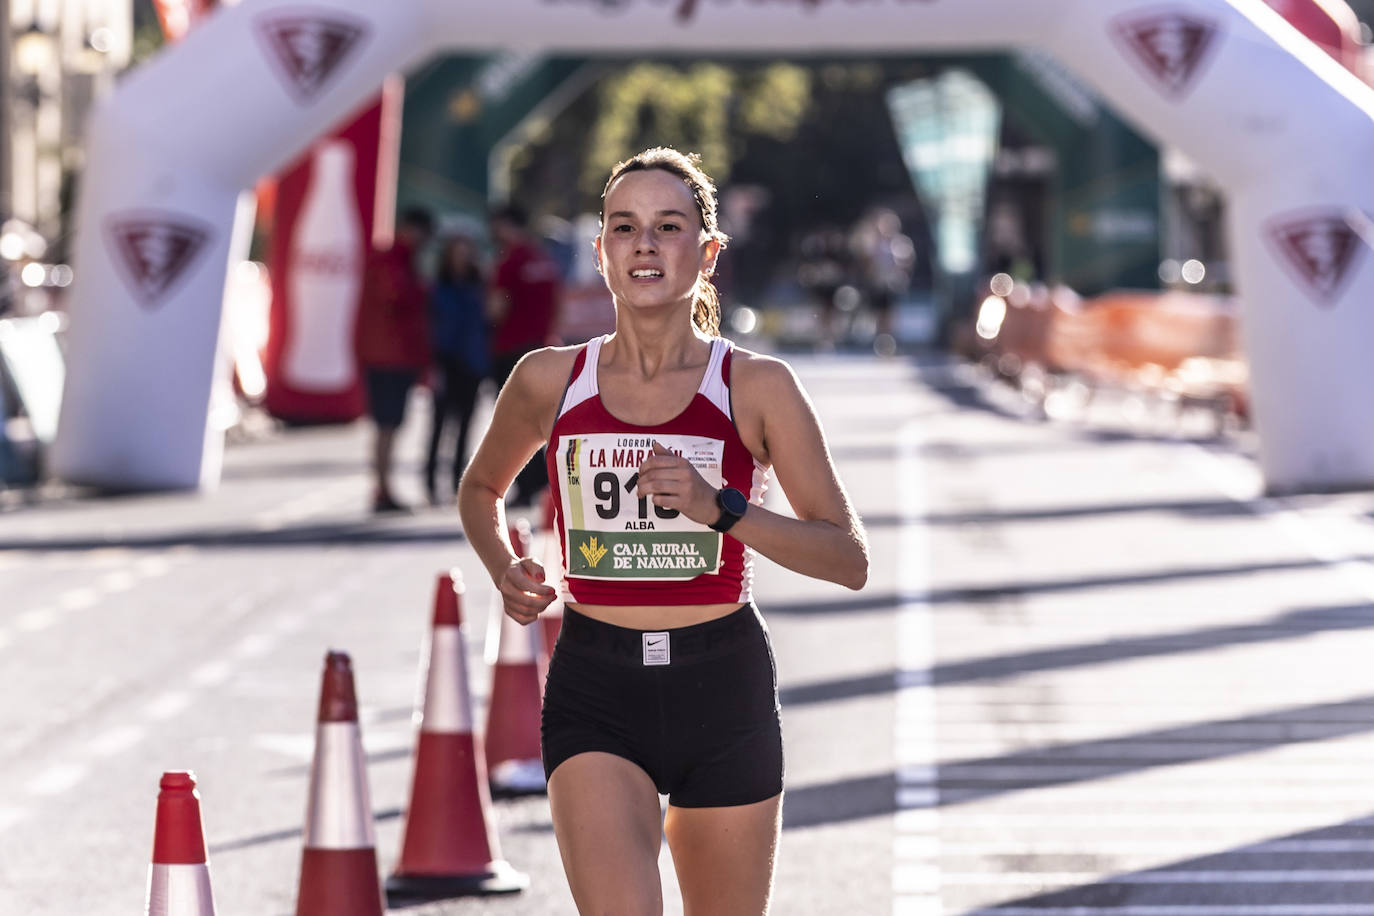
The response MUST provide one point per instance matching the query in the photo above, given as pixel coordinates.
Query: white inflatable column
(167, 155)
(1288, 133)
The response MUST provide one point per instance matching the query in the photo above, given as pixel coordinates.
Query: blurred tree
(813, 139)
(699, 107)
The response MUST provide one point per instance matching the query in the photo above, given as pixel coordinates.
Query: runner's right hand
(523, 591)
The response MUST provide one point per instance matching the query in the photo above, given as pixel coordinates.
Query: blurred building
(59, 57)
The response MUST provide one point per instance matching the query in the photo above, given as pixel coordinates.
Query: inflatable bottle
(325, 276)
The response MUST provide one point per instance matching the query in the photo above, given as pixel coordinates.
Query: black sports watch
(733, 505)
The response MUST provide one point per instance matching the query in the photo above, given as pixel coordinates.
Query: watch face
(733, 501)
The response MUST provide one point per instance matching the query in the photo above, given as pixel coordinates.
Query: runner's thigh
(724, 856)
(606, 819)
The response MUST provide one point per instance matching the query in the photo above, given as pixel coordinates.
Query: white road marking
(1239, 480)
(55, 780)
(167, 705)
(1230, 909)
(211, 674)
(1172, 819)
(1168, 845)
(155, 565)
(299, 746)
(37, 619)
(1078, 879)
(9, 817)
(123, 579)
(116, 740)
(118, 581)
(916, 880)
(255, 645)
(78, 599)
(1218, 796)
(916, 846)
(303, 507)
(287, 624)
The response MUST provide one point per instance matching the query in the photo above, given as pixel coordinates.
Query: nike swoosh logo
(655, 643)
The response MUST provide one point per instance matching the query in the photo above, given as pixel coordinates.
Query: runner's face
(652, 246)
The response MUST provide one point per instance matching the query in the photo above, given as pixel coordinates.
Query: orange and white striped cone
(339, 864)
(514, 766)
(448, 847)
(179, 876)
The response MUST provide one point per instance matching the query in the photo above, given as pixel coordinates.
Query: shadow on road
(1010, 591)
(963, 781)
(1291, 625)
(312, 535)
(279, 836)
(1188, 508)
(1218, 883)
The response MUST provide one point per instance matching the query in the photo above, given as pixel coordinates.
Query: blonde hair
(687, 166)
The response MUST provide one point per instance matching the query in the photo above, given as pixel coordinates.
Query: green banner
(642, 554)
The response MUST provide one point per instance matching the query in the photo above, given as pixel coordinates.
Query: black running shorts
(695, 707)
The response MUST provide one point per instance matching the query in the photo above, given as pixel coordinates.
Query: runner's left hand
(671, 482)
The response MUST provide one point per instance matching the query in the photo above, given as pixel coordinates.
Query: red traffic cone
(514, 765)
(179, 876)
(449, 848)
(339, 864)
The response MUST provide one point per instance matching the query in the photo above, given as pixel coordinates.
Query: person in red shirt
(392, 341)
(522, 307)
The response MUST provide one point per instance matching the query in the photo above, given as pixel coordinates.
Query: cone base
(501, 879)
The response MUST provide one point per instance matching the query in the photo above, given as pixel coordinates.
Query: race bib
(614, 534)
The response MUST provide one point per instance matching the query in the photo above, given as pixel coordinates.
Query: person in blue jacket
(458, 333)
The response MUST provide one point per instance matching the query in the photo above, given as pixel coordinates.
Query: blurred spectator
(458, 335)
(393, 341)
(556, 235)
(7, 289)
(522, 305)
(888, 256)
(824, 268)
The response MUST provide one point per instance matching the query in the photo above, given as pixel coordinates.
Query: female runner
(659, 439)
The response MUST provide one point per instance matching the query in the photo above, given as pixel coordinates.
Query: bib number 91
(606, 488)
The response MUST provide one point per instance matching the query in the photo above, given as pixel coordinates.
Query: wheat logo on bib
(593, 551)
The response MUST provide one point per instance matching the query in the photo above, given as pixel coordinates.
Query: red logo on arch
(1170, 46)
(308, 48)
(1319, 248)
(154, 251)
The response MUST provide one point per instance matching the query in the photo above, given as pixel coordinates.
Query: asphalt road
(1092, 672)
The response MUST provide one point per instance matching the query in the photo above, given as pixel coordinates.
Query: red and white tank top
(620, 550)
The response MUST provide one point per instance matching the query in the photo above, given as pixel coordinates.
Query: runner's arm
(515, 433)
(826, 539)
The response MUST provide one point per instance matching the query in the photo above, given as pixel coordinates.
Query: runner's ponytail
(706, 308)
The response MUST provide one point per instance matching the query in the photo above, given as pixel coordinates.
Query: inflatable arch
(1282, 126)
